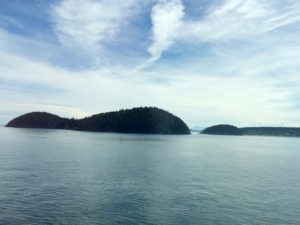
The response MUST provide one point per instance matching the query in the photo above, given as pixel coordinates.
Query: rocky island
(144, 120)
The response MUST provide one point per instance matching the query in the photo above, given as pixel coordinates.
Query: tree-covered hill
(222, 129)
(146, 120)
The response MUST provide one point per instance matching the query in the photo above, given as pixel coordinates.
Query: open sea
(71, 177)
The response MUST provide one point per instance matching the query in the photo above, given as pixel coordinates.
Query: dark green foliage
(38, 120)
(258, 131)
(222, 129)
(147, 120)
(272, 131)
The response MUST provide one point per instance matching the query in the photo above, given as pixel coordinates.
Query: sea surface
(69, 177)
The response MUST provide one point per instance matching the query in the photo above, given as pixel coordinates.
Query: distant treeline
(137, 120)
(224, 129)
(271, 131)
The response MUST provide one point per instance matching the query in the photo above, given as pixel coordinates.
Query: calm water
(68, 177)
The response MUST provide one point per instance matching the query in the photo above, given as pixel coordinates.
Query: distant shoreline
(225, 129)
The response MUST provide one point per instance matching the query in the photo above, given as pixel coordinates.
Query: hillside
(222, 129)
(145, 120)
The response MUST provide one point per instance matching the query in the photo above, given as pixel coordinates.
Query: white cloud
(166, 18)
(197, 98)
(253, 82)
(88, 24)
(240, 19)
(226, 21)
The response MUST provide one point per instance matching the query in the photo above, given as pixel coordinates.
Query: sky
(206, 61)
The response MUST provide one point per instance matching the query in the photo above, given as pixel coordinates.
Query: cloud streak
(240, 19)
(166, 17)
(90, 24)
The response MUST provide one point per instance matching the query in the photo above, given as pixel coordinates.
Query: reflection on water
(69, 177)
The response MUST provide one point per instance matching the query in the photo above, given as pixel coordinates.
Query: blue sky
(209, 62)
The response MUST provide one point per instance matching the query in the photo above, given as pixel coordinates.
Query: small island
(222, 129)
(143, 120)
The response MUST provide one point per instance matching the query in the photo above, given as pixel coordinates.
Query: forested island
(224, 129)
(144, 120)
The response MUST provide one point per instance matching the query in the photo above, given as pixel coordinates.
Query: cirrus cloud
(90, 24)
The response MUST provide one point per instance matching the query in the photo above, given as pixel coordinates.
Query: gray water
(69, 177)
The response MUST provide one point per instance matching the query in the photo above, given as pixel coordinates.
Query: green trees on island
(272, 131)
(222, 129)
(258, 131)
(144, 120)
(148, 120)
